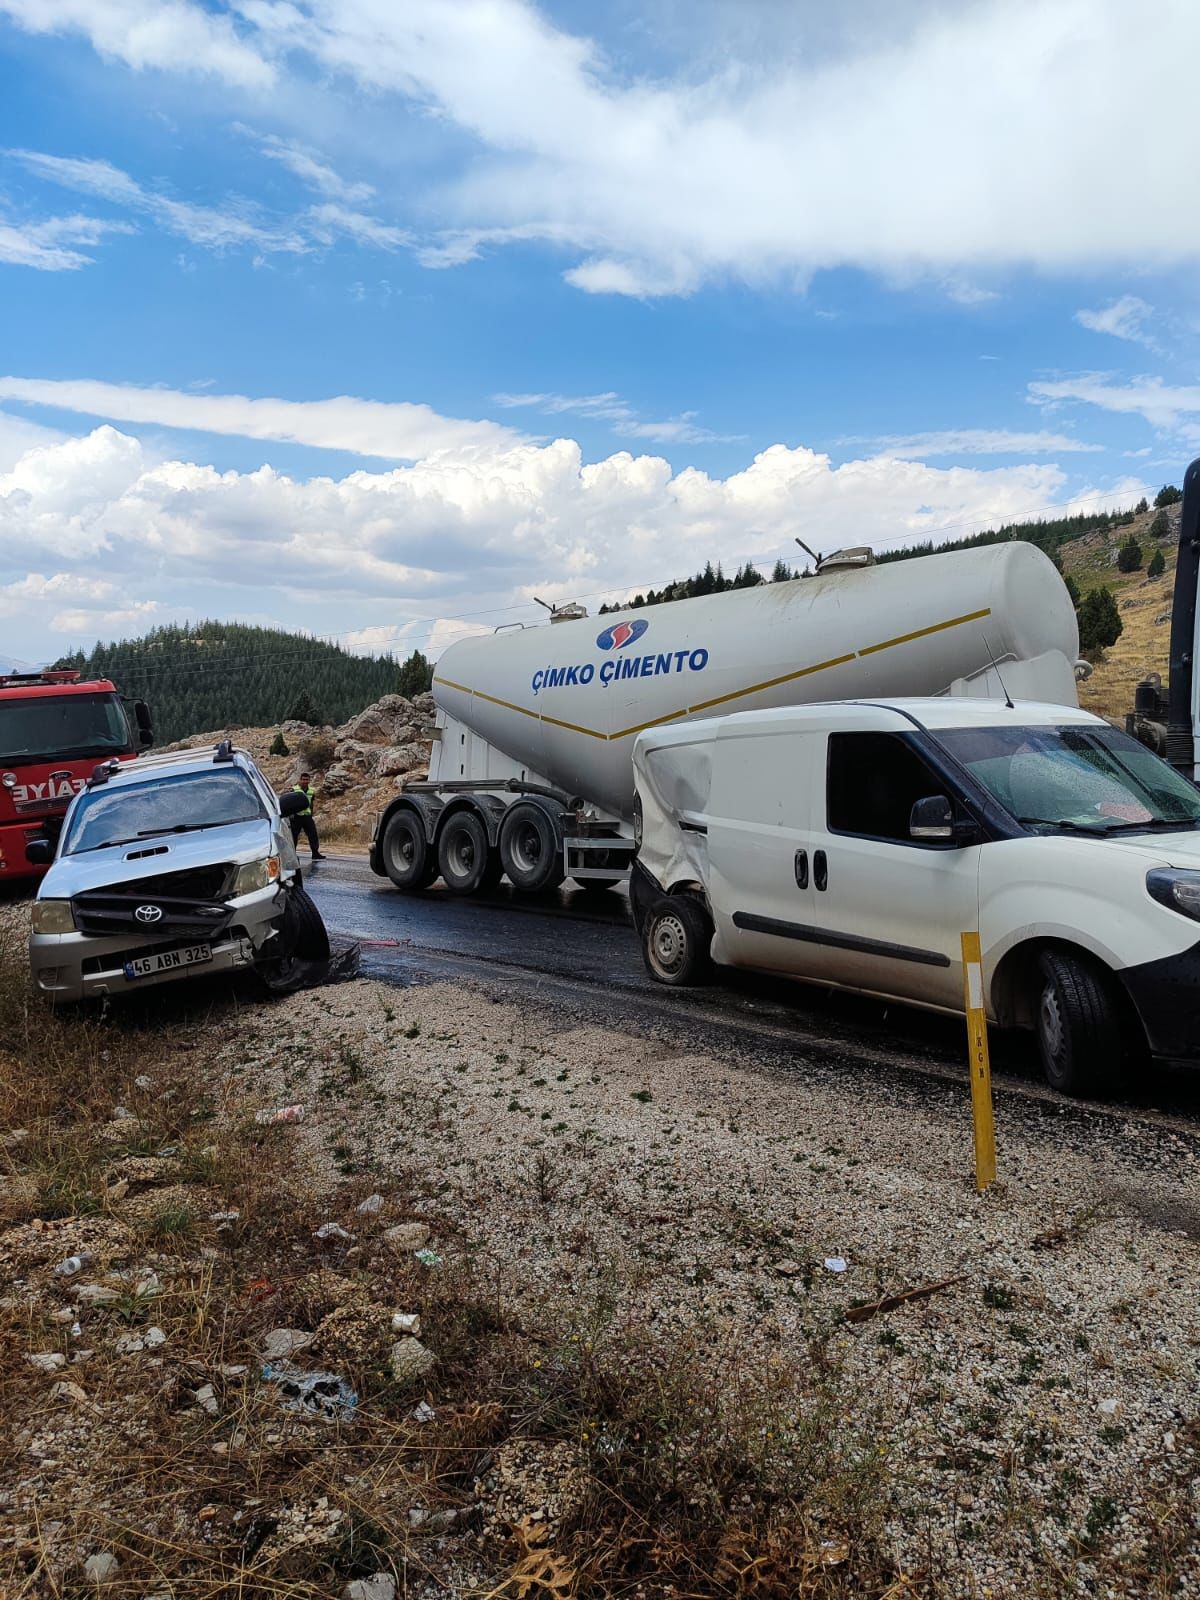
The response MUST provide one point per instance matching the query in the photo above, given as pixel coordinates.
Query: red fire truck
(54, 730)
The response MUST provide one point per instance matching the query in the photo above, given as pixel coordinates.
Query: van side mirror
(292, 803)
(39, 852)
(932, 820)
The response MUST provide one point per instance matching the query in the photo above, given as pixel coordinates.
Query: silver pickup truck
(171, 866)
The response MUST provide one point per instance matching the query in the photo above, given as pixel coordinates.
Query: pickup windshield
(58, 727)
(1081, 779)
(161, 805)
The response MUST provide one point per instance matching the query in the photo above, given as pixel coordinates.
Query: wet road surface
(578, 952)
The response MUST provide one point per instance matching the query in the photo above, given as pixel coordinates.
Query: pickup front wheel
(1078, 1030)
(676, 937)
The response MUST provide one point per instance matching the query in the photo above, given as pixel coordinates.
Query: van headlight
(52, 916)
(1177, 889)
(256, 875)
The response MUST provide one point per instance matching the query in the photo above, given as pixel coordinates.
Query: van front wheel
(1078, 1031)
(676, 936)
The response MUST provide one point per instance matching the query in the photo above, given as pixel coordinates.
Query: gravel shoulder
(1037, 1415)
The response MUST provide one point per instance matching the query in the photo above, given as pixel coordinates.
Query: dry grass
(671, 1466)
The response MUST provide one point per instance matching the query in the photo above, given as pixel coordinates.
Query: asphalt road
(578, 952)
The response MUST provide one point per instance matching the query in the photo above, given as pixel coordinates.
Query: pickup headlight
(256, 875)
(1177, 889)
(52, 916)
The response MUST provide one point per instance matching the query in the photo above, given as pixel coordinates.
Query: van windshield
(1079, 779)
(181, 804)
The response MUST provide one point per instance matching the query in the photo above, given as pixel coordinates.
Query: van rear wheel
(676, 938)
(1078, 1030)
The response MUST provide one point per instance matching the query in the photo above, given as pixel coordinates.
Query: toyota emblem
(148, 913)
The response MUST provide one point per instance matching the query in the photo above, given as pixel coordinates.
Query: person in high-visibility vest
(302, 822)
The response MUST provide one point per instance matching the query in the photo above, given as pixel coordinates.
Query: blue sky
(377, 318)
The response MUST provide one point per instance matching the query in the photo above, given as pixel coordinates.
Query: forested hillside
(227, 674)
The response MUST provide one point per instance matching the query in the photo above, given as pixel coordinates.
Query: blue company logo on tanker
(618, 668)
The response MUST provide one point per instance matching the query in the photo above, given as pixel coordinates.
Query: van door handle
(820, 870)
(801, 865)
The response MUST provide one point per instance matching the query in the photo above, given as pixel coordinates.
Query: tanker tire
(407, 858)
(530, 853)
(1078, 1030)
(676, 936)
(462, 853)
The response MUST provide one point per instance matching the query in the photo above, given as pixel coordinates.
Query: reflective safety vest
(309, 794)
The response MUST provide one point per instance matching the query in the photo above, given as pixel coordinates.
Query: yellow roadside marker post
(981, 1070)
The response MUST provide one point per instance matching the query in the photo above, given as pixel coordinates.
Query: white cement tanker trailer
(531, 775)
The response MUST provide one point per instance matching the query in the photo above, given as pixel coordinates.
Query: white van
(851, 845)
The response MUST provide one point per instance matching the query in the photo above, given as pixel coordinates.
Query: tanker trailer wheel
(676, 936)
(530, 852)
(1078, 1029)
(462, 853)
(407, 858)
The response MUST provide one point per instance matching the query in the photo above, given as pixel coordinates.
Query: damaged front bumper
(70, 967)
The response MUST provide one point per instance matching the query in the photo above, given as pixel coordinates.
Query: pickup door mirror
(292, 803)
(39, 852)
(932, 820)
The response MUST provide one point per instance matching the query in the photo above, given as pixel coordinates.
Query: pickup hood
(238, 842)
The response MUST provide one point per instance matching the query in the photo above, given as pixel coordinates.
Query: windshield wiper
(194, 827)
(1064, 822)
(1172, 824)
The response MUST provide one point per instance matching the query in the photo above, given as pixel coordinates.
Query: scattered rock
(332, 1230)
(47, 1360)
(411, 1360)
(131, 1343)
(1109, 1408)
(205, 1397)
(408, 1235)
(102, 1567)
(379, 1586)
(63, 1390)
(95, 1294)
(423, 1412)
(281, 1343)
(371, 1206)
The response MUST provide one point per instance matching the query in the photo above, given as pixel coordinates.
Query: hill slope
(227, 674)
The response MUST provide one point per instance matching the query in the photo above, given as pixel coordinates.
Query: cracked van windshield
(1080, 778)
(170, 805)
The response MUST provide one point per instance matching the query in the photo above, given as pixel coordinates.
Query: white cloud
(953, 141)
(398, 429)
(106, 623)
(458, 538)
(1123, 319)
(979, 442)
(330, 219)
(18, 436)
(310, 169)
(1163, 405)
(47, 245)
(887, 155)
(621, 417)
(215, 227)
(169, 34)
